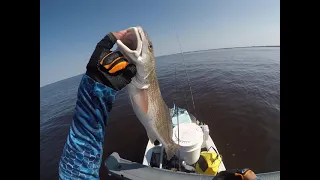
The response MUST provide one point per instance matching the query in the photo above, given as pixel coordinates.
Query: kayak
(197, 158)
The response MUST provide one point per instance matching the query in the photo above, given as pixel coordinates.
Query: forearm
(82, 154)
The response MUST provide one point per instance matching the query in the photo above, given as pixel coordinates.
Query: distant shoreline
(221, 48)
(235, 48)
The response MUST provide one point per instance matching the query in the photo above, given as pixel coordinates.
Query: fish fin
(139, 98)
(142, 103)
(171, 150)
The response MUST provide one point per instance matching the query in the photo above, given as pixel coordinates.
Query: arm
(82, 153)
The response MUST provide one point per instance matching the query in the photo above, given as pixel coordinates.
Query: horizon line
(174, 54)
(218, 49)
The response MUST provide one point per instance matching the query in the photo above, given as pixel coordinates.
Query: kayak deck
(126, 169)
(154, 155)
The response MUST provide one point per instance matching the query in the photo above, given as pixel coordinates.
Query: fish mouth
(131, 43)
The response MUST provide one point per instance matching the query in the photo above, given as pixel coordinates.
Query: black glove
(236, 174)
(110, 68)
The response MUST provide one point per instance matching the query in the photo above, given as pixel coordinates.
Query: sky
(69, 30)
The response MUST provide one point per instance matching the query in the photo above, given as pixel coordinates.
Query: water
(236, 92)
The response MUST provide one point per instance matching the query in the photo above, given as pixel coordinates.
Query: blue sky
(69, 30)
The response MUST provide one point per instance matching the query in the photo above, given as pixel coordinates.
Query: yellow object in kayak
(208, 163)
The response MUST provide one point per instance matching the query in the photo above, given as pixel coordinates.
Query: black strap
(218, 155)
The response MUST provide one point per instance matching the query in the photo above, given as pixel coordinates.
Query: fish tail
(171, 150)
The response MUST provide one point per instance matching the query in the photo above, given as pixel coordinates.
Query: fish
(144, 91)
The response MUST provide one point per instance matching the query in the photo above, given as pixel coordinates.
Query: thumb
(130, 71)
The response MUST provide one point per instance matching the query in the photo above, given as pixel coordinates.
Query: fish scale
(147, 102)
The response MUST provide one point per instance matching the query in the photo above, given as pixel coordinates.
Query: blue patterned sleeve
(82, 153)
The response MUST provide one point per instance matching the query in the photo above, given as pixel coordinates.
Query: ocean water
(236, 92)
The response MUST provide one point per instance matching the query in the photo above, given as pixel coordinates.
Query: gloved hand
(236, 174)
(110, 68)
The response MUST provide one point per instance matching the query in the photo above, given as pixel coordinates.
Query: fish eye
(150, 46)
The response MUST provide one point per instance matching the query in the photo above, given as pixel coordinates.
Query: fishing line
(185, 67)
(177, 114)
(194, 107)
